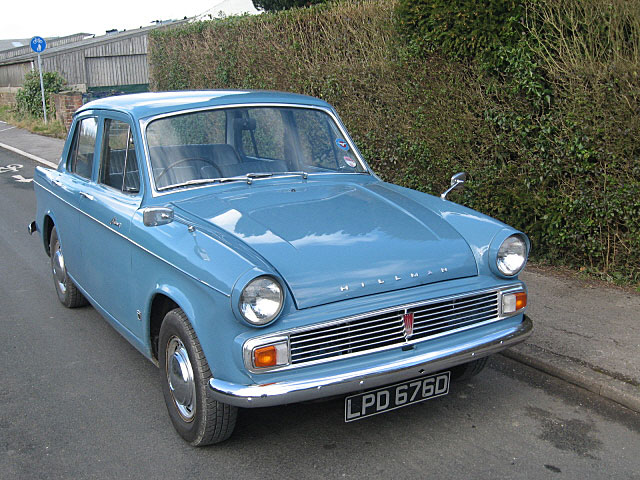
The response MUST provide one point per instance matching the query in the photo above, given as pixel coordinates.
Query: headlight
(512, 255)
(261, 300)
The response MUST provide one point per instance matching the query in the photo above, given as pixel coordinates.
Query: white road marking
(14, 167)
(5, 129)
(21, 179)
(29, 155)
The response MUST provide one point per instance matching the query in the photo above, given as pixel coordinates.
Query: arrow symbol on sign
(21, 179)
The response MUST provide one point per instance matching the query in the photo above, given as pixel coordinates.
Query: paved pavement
(585, 333)
(46, 148)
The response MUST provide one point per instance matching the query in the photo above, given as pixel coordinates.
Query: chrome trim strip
(380, 338)
(144, 123)
(267, 339)
(388, 319)
(338, 333)
(456, 319)
(471, 303)
(280, 393)
(134, 243)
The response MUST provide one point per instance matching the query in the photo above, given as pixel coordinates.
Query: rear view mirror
(457, 183)
(155, 216)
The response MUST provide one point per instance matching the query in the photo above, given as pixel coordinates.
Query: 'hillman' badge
(408, 325)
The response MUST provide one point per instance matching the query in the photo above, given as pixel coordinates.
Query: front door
(110, 204)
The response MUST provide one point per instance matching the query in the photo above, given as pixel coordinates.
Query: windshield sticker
(342, 144)
(350, 161)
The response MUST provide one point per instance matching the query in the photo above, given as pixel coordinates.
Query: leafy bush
(29, 97)
(462, 29)
(277, 5)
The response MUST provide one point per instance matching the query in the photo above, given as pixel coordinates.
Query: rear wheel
(468, 370)
(197, 417)
(68, 293)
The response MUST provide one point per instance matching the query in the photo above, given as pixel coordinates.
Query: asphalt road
(77, 401)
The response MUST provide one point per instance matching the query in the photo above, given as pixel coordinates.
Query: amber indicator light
(521, 300)
(266, 356)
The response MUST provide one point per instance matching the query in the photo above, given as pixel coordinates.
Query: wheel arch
(162, 302)
(47, 228)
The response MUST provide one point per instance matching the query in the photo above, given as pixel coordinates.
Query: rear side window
(118, 163)
(83, 147)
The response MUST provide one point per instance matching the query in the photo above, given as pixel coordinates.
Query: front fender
(478, 230)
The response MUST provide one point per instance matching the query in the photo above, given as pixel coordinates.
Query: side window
(84, 142)
(118, 163)
(317, 138)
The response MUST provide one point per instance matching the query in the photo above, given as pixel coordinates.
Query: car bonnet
(334, 240)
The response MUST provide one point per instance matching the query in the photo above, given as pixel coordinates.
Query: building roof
(25, 54)
(144, 105)
(11, 43)
(23, 50)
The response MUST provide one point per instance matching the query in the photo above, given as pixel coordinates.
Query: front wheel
(468, 370)
(198, 418)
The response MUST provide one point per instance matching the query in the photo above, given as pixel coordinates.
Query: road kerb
(616, 390)
(29, 155)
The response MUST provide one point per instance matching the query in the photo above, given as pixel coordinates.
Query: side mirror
(457, 183)
(155, 216)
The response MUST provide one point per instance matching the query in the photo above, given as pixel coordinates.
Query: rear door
(69, 186)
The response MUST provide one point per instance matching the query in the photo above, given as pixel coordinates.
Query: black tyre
(68, 293)
(197, 417)
(468, 370)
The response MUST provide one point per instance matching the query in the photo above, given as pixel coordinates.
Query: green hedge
(543, 120)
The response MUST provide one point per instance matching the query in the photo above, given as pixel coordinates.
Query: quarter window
(118, 163)
(317, 139)
(83, 147)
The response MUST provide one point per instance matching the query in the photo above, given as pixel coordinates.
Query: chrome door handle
(86, 195)
(115, 222)
(57, 182)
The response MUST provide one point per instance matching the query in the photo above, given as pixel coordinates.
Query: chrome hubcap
(180, 378)
(59, 272)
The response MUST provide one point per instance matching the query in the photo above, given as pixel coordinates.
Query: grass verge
(54, 128)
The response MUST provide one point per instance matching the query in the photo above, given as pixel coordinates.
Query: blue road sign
(38, 44)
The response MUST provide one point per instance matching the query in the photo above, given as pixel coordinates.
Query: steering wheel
(185, 160)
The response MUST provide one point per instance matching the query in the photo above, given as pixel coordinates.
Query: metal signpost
(38, 44)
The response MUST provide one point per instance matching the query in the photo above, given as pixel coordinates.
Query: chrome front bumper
(280, 393)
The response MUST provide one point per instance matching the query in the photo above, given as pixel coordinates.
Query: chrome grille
(370, 332)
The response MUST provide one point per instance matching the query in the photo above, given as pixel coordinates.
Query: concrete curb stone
(583, 376)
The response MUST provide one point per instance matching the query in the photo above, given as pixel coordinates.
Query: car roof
(142, 105)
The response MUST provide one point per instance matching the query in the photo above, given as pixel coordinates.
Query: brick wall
(66, 105)
(7, 98)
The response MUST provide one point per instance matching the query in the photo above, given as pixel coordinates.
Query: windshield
(244, 143)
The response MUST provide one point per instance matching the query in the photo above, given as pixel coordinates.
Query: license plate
(367, 404)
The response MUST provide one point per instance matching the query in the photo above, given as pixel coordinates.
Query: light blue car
(239, 240)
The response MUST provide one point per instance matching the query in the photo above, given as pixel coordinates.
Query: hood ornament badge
(407, 321)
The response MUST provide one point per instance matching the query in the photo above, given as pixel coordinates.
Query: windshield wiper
(195, 181)
(248, 177)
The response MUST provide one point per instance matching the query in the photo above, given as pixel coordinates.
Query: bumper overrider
(280, 393)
